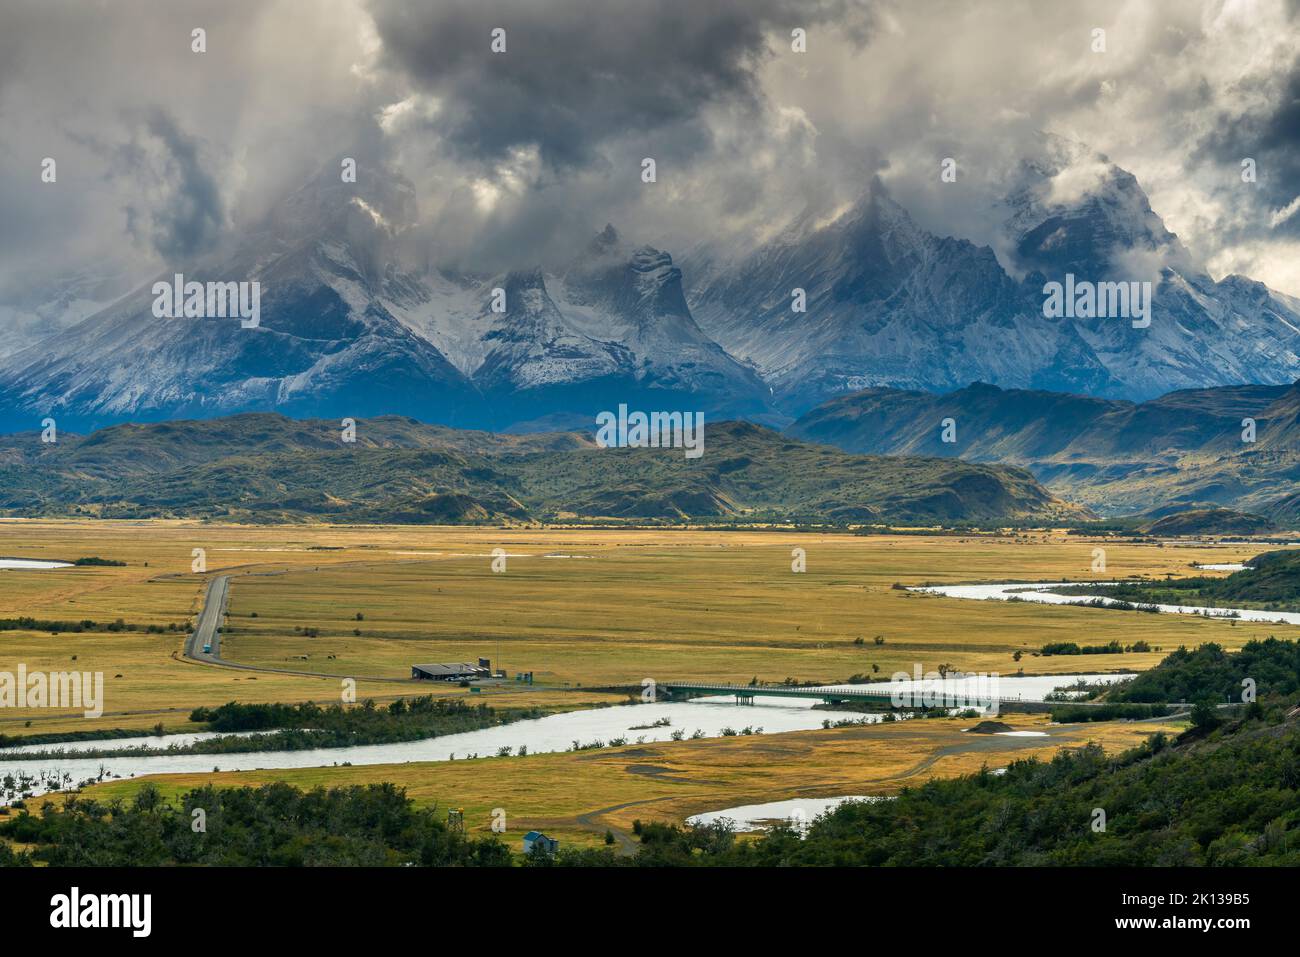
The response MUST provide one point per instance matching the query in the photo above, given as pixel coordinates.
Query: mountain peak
(1074, 211)
(381, 198)
(656, 282)
(604, 241)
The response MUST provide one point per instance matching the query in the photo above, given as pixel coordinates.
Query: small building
(538, 840)
(449, 671)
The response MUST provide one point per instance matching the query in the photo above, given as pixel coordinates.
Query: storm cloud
(186, 213)
(573, 76)
(520, 157)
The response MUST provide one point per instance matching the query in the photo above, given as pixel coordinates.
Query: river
(1040, 593)
(708, 716)
(30, 564)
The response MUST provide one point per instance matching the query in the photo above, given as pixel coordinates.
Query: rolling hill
(1182, 451)
(264, 467)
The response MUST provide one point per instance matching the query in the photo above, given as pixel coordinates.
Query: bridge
(879, 693)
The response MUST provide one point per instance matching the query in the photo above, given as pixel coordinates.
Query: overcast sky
(164, 154)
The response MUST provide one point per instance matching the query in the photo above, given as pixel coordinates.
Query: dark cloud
(1268, 131)
(185, 214)
(576, 75)
(161, 149)
(519, 158)
(1279, 143)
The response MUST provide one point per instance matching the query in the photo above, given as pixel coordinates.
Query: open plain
(581, 608)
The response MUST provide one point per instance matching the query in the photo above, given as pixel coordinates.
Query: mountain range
(1189, 449)
(264, 467)
(350, 327)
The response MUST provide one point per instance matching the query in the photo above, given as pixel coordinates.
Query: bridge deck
(877, 692)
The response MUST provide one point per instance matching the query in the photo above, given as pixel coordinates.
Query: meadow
(581, 608)
(575, 606)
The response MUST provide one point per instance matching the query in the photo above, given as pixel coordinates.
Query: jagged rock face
(349, 329)
(890, 305)
(887, 304)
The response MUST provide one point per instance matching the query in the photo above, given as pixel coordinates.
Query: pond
(799, 812)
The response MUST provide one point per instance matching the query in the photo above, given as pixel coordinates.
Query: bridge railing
(877, 690)
(882, 690)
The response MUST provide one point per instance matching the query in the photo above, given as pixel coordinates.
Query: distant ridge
(262, 467)
(1184, 450)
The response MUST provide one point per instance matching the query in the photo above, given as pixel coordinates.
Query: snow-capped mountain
(612, 326)
(61, 304)
(324, 341)
(349, 327)
(892, 305)
(347, 330)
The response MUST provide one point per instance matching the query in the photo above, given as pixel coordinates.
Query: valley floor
(581, 608)
(578, 796)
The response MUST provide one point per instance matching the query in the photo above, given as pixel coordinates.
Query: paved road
(210, 618)
(205, 632)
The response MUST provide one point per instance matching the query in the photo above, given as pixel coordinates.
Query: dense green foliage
(26, 623)
(1071, 648)
(1211, 672)
(1073, 714)
(63, 737)
(274, 825)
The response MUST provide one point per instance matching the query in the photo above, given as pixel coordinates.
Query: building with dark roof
(450, 671)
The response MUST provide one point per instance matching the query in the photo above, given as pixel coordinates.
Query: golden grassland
(579, 795)
(583, 608)
(575, 606)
